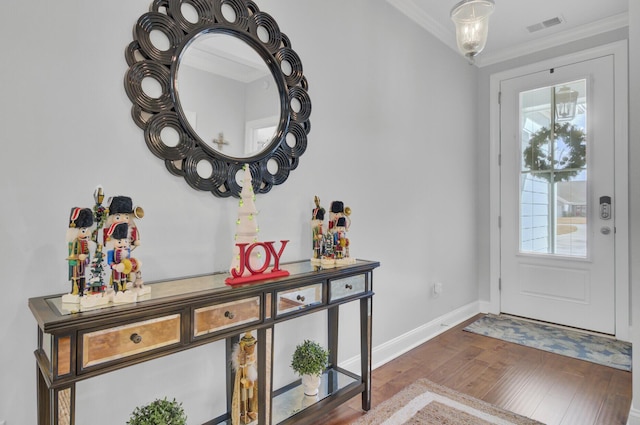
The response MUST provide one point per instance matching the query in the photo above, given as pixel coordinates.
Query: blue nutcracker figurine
(118, 255)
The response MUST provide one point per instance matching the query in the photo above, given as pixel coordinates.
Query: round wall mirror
(215, 85)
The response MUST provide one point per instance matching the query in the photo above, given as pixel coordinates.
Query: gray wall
(393, 136)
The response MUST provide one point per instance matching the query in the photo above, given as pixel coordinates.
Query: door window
(553, 177)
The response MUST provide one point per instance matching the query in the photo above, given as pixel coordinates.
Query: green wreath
(566, 164)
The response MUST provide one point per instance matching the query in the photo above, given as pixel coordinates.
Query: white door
(557, 232)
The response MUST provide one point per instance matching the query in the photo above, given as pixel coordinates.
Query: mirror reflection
(228, 95)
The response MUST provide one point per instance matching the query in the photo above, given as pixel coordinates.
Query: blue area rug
(580, 345)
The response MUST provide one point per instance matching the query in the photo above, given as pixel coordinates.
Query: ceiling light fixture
(472, 25)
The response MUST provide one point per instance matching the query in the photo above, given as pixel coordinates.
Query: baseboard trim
(388, 351)
(634, 417)
(487, 307)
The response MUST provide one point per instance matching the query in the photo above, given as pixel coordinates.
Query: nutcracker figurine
(317, 234)
(244, 404)
(118, 257)
(336, 211)
(107, 234)
(340, 240)
(342, 243)
(339, 222)
(78, 237)
(121, 210)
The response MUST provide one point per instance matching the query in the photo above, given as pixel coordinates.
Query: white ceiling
(508, 34)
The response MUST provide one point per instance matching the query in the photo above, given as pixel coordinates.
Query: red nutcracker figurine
(336, 211)
(340, 240)
(121, 211)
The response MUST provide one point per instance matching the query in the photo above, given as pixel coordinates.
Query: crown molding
(418, 15)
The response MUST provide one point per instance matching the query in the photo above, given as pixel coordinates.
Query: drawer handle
(300, 298)
(348, 286)
(229, 315)
(136, 338)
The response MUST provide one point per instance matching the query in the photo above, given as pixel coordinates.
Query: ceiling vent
(545, 24)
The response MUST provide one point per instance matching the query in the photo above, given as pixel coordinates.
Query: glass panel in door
(553, 177)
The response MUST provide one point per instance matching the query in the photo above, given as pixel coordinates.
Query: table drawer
(347, 287)
(122, 341)
(214, 318)
(298, 298)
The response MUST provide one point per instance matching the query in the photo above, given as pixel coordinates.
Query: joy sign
(244, 264)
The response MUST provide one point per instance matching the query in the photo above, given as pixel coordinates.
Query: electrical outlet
(437, 289)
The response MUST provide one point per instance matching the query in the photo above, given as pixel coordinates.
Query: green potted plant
(309, 361)
(159, 412)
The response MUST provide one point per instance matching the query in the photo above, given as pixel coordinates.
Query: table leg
(333, 319)
(44, 400)
(56, 406)
(366, 314)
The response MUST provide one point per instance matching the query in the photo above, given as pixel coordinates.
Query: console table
(181, 314)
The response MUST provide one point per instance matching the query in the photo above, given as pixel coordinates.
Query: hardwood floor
(550, 388)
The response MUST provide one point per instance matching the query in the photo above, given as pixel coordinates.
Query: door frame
(621, 176)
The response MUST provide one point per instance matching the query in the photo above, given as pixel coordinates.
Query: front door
(557, 230)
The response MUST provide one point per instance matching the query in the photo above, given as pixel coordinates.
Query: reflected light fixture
(471, 18)
(566, 102)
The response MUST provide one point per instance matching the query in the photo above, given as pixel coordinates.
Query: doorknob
(605, 230)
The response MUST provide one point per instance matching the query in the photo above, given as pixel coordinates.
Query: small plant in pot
(309, 361)
(159, 412)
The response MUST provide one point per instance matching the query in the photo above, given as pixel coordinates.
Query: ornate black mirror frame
(154, 114)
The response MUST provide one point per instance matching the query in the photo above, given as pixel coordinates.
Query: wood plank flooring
(550, 388)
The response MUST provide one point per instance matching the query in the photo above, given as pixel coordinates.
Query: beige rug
(425, 402)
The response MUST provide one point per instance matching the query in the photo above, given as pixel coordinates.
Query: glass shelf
(291, 400)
